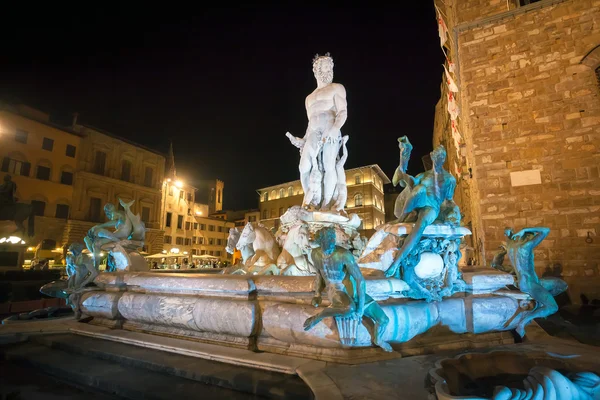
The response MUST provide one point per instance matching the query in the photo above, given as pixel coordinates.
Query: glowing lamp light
(179, 184)
(198, 212)
(169, 180)
(164, 252)
(30, 248)
(12, 240)
(185, 252)
(175, 250)
(101, 254)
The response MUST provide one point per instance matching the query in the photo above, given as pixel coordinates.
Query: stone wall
(531, 122)
(470, 10)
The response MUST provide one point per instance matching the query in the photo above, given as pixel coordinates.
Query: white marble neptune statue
(327, 111)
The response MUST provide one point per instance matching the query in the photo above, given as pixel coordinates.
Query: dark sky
(226, 85)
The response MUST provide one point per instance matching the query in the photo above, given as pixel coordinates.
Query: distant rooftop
(112, 135)
(34, 114)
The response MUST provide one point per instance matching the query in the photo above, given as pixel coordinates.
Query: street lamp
(179, 184)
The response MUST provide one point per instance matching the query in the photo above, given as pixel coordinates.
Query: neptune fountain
(318, 289)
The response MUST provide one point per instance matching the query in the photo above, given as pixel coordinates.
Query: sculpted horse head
(258, 238)
(232, 240)
(297, 242)
(247, 236)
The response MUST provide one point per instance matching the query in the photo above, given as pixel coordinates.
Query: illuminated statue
(294, 258)
(401, 177)
(80, 269)
(545, 384)
(340, 195)
(430, 197)
(326, 109)
(129, 235)
(338, 273)
(520, 248)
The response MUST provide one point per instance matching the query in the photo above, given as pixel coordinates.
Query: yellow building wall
(29, 188)
(110, 185)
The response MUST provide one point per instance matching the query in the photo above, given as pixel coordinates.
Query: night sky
(226, 85)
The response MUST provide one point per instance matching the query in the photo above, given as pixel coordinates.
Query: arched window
(273, 194)
(266, 196)
(281, 193)
(358, 200)
(290, 191)
(357, 179)
(264, 216)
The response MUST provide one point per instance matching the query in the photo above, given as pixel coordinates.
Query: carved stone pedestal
(267, 313)
(433, 262)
